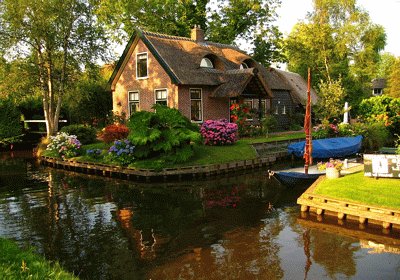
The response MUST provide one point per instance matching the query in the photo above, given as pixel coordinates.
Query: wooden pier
(152, 174)
(346, 209)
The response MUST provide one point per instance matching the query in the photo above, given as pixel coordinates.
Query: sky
(383, 12)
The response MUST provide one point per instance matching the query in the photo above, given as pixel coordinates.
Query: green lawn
(358, 188)
(18, 264)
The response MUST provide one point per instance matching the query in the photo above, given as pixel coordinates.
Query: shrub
(85, 133)
(382, 108)
(325, 130)
(240, 113)
(268, 123)
(10, 127)
(64, 145)
(114, 132)
(345, 129)
(164, 132)
(219, 132)
(121, 152)
(376, 135)
(94, 153)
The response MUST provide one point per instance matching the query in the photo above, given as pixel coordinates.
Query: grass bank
(356, 187)
(203, 155)
(18, 264)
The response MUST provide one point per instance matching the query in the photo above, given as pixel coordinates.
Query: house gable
(127, 53)
(125, 80)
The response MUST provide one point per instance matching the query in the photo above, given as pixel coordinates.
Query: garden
(165, 138)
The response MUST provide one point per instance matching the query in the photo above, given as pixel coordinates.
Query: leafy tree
(59, 36)
(393, 88)
(89, 92)
(223, 21)
(164, 132)
(383, 109)
(337, 40)
(10, 127)
(387, 60)
(331, 99)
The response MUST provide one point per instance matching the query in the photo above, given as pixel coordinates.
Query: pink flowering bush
(219, 132)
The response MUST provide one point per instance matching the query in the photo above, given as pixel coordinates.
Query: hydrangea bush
(219, 132)
(121, 152)
(65, 145)
(94, 153)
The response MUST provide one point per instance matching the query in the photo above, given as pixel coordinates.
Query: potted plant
(332, 167)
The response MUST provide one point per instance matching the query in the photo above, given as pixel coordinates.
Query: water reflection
(235, 227)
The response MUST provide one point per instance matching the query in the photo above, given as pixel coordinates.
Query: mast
(307, 127)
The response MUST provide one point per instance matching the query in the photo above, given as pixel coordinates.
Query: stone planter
(332, 173)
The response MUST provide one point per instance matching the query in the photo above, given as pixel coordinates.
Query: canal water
(233, 227)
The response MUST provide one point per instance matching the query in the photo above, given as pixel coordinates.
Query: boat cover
(329, 148)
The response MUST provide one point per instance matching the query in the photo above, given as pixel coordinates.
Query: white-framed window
(243, 65)
(249, 103)
(377, 91)
(276, 112)
(261, 106)
(206, 63)
(133, 101)
(161, 96)
(196, 105)
(141, 66)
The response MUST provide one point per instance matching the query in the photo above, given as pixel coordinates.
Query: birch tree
(60, 36)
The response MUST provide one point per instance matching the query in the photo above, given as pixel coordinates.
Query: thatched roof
(181, 57)
(379, 83)
(298, 86)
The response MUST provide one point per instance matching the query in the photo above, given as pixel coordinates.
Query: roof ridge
(166, 36)
(181, 38)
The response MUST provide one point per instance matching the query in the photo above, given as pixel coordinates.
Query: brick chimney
(197, 34)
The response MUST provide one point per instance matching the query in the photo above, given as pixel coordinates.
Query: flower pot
(332, 173)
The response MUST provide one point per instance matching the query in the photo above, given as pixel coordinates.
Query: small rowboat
(294, 179)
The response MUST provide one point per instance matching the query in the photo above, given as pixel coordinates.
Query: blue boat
(338, 147)
(294, 179)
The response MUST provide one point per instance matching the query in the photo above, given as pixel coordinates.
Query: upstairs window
(243, 65)
(196, 114)
(141, 65)
(206, 63)
(377, 91)
(161, 96)
(133, 99)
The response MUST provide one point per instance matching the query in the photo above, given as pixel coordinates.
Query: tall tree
(247, 22)
(393, 88)
(60, 36)
(337, 40)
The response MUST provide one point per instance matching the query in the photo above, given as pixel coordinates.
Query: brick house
(199, 78)
(290, 95)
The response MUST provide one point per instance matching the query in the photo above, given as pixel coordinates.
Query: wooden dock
(152, 174)
(346, 209)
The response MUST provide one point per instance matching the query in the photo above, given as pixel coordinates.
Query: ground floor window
(133, 101)
(161, 96)
(196, 112)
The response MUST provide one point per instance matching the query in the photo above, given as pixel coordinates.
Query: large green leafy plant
(164, 132)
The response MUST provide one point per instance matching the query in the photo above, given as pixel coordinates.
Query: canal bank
(166, 173)
(353, 209)
(265, 154)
